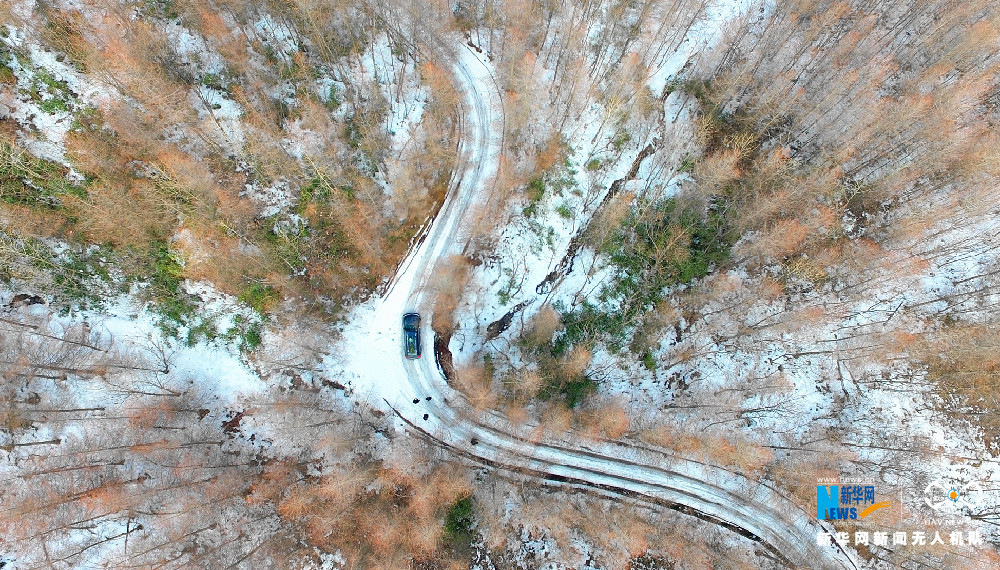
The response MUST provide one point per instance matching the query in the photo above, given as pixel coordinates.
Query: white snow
(278, 36)
(193, 50)
(416, 390)
(705, 34)
(793, 396)
(214, 368)
(49, 128)
(374, 329)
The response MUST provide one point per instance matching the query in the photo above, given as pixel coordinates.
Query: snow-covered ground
(374, 369)
(788, 380)
(57, 91)
(373, 363)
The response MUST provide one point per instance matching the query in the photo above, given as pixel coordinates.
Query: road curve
(418, 393)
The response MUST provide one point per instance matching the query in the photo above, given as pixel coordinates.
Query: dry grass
(448, 283)
(725, 450)
(524, 385)
(543, 325)
(353, 242)
(556, 420)
(607, 419)
(475, 383)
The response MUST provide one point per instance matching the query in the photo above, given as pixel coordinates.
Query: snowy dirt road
(418, 393)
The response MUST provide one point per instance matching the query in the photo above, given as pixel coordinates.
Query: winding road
(418, 393)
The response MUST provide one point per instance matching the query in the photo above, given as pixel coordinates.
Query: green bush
(260, 298)
(31, 181)
(658, 245)
(60, 97)
(536, 189)
(620, 139)
(54, 104)
(247, 332)
(7, 76)
(459, 520)
(175, 307)
(82, 275)
(648, 360)
(573, 391)
(687, 164)
(251, 338)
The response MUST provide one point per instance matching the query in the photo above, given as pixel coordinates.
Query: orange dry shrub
(557, 419)
(105, 499)
(119, 208)
(722, 450)
(903, 341)
(823, 221)
(679, 546)
(128, 51)
(524, 385)
(618, 531)
(99, 153)
(552, 153)
(543, 325)
(64, 33)
(375, 516)
(806, 318)
(186, 180)
(718, 170)
(423, 537)
(797, 474)
(634, 535)
(516, 413)
(764, 209)
(221, 487)
(829, 257)
(750, 457)
(345, 483)
(26, 220)
(509, 178)
(442, 487)
(379, 525)
(444, 96)
(133, 202)
(448, 283)
(272, 483)
(316, 117)
(151, 447)
(232, 47)
(120, 217)
(146, 416)
(612, 420)
(475, 383)
(784, 239)
(297, 502)
(574, 364)
(608, 219)
(212, 255)
(770, 289)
